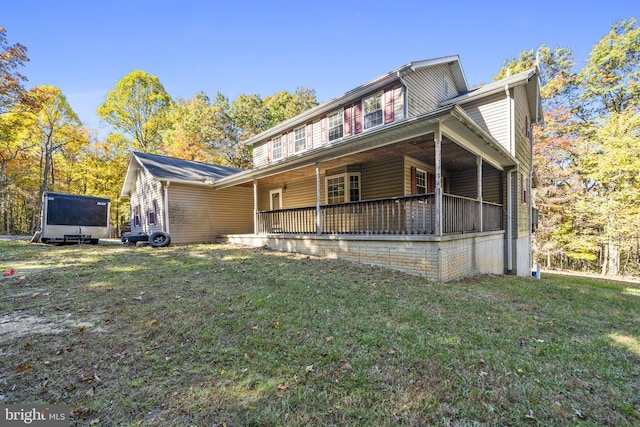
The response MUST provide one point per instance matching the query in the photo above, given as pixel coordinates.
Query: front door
(275, 203)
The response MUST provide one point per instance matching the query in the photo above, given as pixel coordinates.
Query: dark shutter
(388, 106)
(357, 115)
(309, 135)
(347, 121)
(414, 181)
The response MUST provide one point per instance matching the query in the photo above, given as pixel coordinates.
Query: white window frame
(380, 96)
(347, 187)
(274, 148)
(418, 186)
(339, 114)
(297, 139)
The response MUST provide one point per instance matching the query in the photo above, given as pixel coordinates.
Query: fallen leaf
(483, 373)
(154, 322)
(252, 408)
(94, 421)
(283, 387)
(25, 367)
(9, 272)
(64, 349)
(21, 277)
(276, 325)
(35, 294)
(345, 364)
(81, 330)
(309, 368)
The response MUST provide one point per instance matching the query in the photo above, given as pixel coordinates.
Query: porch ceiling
(454, 158)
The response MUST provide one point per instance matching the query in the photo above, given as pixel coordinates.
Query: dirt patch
(18, 325)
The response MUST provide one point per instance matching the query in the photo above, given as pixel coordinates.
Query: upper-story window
(276, 147)
(372, 109)
(336, 125)
(299, 138)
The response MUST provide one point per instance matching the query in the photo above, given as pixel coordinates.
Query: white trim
(271, 193)
(379, 93)
(339, 112)
(304, 139)
(347, 186)
(273, 157)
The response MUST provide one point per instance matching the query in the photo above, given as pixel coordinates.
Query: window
(152, 212)
(336, 125)
(136, 216)
(525, 188)
(421, 182)
(299, 138)
(343, 188)
(373, 111)
(276, 147)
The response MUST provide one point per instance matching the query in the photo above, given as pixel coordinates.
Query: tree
(193, 133)
(138, 106)
(11, 57)
(54, 129)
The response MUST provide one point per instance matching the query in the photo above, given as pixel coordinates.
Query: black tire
(159, 239)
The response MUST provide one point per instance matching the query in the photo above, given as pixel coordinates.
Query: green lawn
(215, 335)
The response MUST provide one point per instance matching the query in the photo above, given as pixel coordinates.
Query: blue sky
(85, 46)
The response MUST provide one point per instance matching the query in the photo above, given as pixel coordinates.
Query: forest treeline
(586, 153)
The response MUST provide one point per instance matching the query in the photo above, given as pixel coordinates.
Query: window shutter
(431, 183)
(269, 151)
(309, 135)
(292, 148)
(323, 130)
(414, 181)
(347, 121)
(357, 114)
(388, 106)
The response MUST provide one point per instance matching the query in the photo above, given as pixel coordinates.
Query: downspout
(531, 174)
(166, 207)
(406, 96)
(510, 218)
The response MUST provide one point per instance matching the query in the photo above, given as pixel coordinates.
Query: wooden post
(479, 167)
(438, 155)
(318, 199)
(255, 206)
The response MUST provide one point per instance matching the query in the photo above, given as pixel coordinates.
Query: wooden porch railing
(396, 215)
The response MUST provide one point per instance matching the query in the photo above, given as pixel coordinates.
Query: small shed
(177, 197)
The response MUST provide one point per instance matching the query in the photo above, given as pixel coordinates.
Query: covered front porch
(434, 188)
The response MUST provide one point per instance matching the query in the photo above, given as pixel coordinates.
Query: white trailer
(72, 218)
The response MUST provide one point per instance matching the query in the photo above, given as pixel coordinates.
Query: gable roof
(170, 169)
(385, 80)
(529, 78)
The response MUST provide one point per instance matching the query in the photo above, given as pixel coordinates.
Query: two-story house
(412, 171)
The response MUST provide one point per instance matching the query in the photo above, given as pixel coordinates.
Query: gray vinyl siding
(144, 191)
(410, 162)
(523, 155)
(427, 87)
(260, 154)
(201, 214)
(382, 178)
(491, 114)
(492, 184)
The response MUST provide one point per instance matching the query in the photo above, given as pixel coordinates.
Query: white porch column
(479, 168)
(255, 206)
(438, 148)
(318, 200)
